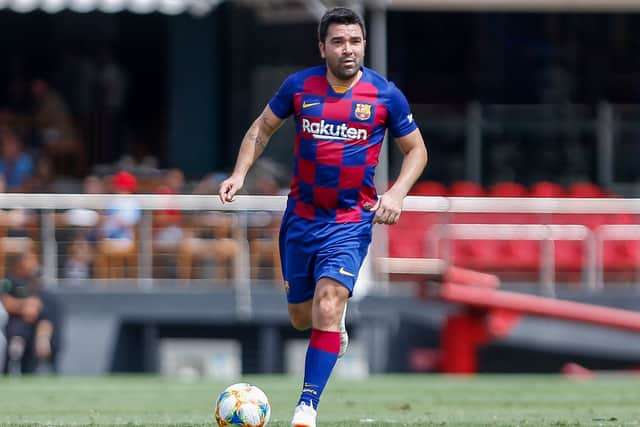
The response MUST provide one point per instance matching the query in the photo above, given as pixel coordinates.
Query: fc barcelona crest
(362, 111)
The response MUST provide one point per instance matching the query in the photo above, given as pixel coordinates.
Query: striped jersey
(338, 141)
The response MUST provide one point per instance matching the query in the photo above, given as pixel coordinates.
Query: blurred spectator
(209, 184)
(168, 229)
(15, 165)
(55, 129)
(166, 222)
(80, 217)
(117, 244)
(93, 185)
(77, 267)
(20, 227)
(265, 178)
(122, 213)
(174, 181)
(32, 329)
(42, 179)
(79, 228)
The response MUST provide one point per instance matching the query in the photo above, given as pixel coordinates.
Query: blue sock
(322, 355)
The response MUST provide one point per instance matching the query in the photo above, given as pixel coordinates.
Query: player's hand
(229, 188)
(388, 209)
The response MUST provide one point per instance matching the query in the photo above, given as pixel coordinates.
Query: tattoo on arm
(260, 140)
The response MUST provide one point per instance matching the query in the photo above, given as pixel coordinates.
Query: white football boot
(304, 416)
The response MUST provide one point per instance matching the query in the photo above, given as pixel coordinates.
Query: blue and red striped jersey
(338, 141)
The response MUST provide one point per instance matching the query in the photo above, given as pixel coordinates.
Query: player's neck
(341, 86)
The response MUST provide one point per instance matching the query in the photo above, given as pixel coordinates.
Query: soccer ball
(242, 405)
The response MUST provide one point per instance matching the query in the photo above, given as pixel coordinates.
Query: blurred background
(528, 101)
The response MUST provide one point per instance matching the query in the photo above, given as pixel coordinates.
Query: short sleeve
(282, 102)
(401, 121)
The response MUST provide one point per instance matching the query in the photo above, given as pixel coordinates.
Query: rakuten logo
(341, 132)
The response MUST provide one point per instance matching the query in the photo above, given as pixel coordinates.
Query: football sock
(322, 355)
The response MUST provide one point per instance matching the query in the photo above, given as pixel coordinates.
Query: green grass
(411, 400)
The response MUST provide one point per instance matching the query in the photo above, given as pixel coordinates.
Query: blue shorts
(311, 250)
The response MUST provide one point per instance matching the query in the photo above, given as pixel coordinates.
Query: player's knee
(328, 308)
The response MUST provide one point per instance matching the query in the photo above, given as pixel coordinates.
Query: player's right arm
(252, 146)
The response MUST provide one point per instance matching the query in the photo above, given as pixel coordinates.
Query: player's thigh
(297, 255)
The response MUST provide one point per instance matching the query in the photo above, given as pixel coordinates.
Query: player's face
(343, 50)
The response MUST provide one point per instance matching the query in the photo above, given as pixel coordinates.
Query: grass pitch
(398, 400)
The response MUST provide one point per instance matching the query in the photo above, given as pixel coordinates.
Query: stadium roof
(295, 10)
(168, 7)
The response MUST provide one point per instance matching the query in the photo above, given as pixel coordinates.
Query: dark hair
(339, 15)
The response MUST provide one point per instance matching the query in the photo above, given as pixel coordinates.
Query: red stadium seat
(466, 189)
(508, 189)
(585, 189)
(519, 255)
(428, 188)
(405, 243)
(621, 256)
(474, 254)
(547, 189)
(569, 255)
(407, 239)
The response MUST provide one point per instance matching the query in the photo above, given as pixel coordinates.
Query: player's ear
(321, 49)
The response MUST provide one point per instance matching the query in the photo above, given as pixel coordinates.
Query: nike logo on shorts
(345, 272)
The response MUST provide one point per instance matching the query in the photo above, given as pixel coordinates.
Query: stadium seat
(262, 234)
(116, 258)
(547, 189)
(508, 189)
(474, 254)
(209, 235)
(621, 258)
(585, 189)
(569, 256)
(519, 256)
(466, 189)
(408, 238)
(620, 251)
(428, 188)
(406, 241)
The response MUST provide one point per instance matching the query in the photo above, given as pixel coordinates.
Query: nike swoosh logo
(345, 272)
(309, 104)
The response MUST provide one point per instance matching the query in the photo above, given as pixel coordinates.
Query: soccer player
(342, 111)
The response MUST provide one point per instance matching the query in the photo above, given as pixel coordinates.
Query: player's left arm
(389, 206)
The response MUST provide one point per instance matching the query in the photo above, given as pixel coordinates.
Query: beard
(345, 71)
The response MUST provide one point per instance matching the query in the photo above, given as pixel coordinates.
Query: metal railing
(49, 206)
